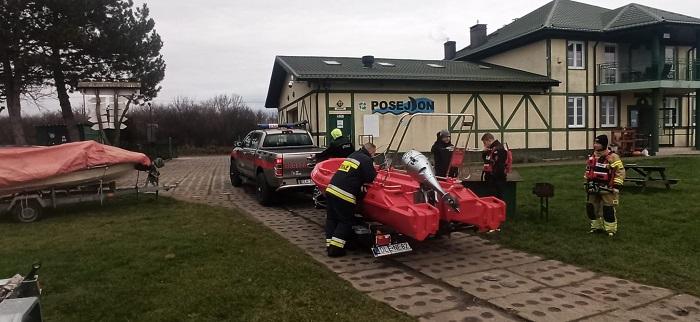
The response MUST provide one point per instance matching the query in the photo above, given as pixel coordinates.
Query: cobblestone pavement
(464, 278)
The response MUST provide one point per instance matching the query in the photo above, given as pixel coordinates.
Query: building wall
(531, 58)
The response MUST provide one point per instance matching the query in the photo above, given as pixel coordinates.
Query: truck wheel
(236, 180)
(263, 192)
(26, 211)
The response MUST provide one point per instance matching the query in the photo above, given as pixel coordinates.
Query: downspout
(688, 74)
(595, 97)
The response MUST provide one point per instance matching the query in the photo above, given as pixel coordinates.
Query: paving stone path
(464, 278)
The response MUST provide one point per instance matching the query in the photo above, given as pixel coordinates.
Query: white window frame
(579, 109)
(676, 110)
(607, 111)
(574, 64)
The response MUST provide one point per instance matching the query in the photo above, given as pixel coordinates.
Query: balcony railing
(614, 73)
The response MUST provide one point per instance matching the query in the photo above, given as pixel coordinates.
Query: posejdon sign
(413, 105)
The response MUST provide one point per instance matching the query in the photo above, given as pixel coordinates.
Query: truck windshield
(287, 140)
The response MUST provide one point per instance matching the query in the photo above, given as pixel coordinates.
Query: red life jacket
(599, 170)
(489, 162)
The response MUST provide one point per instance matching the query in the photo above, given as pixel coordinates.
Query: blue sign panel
(413, 105)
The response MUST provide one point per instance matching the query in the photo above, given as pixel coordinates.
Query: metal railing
(615, 73)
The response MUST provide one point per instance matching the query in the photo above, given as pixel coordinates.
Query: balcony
(679, 74)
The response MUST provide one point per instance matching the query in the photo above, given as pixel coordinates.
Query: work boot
(611, 234)
(334, 251)
(595, 231)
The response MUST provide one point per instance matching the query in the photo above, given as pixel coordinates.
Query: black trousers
(496, 187)
(340, 217)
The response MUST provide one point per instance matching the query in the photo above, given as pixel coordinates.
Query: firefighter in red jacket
(605, 175)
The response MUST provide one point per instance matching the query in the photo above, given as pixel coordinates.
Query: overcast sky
(228, 46)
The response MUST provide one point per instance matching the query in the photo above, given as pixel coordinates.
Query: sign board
(371, 125)
(411, 106)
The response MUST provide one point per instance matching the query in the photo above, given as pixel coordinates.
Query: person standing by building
(340, 147)
(605, 175)
(442, 154)
(495, 159)
(343, 194)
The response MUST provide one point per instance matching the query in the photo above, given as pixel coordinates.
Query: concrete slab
(352, 262)
(682, 307)
(448, 265)
(493, 283)
(618, 292)
(468, 314)
(550, 305)
(418, 299)
(552, 273)
(381, 279)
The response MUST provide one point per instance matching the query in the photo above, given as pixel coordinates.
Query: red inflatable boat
(395, 199)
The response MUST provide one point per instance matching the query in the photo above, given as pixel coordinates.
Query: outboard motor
(419, 168)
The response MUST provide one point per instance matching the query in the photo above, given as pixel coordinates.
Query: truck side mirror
(238, 144)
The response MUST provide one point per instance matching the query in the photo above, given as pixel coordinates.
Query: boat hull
(73, 179)
(392, 200)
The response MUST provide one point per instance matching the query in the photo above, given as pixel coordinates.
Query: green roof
(567, 15)
(351, 68)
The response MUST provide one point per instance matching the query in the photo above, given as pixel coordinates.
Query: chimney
(450, 50)
(367, 61)
(477, 35)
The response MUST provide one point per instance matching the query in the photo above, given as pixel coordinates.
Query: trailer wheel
(263, 192)
(236, 180)
(26, 211)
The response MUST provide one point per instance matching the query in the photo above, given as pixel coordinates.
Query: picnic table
(646, 174)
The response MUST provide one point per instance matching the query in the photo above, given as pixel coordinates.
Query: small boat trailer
(28, 206)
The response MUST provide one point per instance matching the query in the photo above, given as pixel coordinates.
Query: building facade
(548, 83)
(633, 67)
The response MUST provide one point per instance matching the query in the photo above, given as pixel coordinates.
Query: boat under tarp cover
(29, 166)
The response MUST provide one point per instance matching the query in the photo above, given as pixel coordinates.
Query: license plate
(391, 249)
(303, 181)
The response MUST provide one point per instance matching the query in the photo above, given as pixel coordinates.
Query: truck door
(250, 146)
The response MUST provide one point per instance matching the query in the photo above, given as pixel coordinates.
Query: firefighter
(340, 147)
(495, 159)
(605, 175)
(344, 194)
(442, 154)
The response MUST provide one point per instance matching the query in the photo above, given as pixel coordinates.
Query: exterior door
(344, 122)
(610, 72)
(640, 118)
(668, 120)
(670, 66)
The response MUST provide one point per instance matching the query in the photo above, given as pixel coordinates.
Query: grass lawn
(659, 229)
(167, 260)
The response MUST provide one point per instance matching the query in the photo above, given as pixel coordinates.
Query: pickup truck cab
(273, 159)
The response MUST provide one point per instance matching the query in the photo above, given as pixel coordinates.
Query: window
(575, 111)
(287, 140)
(671, 109)
(246, 141)
(255, 140)
(608, 111)
(575, 55)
